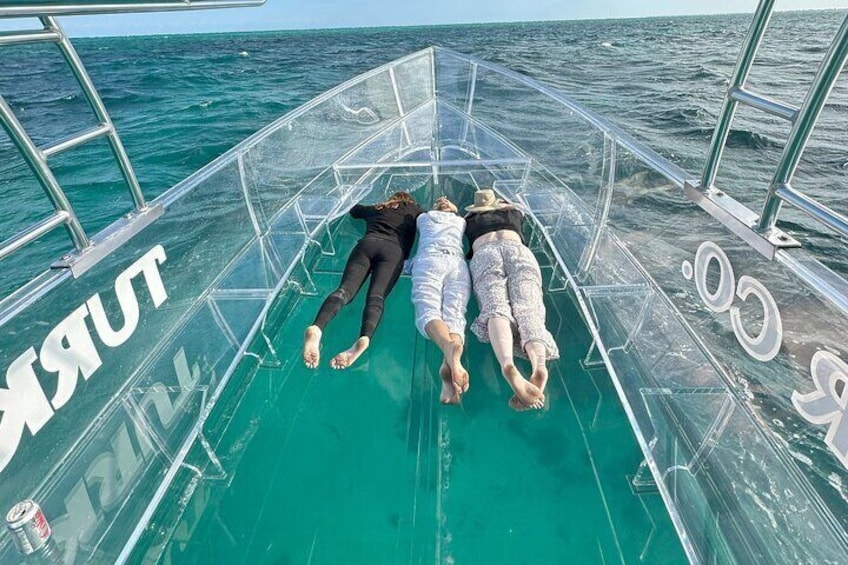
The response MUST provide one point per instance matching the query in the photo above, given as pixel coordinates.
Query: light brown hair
(396, 200)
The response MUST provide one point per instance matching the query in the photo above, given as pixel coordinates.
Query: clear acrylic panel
(460, 133)
(401, 141)
(572, 150)
(414, 78)
(453, 78)
(684, 315)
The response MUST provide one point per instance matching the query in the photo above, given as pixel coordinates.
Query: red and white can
(28, 526)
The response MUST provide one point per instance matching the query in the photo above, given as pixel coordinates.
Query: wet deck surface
(365, 465)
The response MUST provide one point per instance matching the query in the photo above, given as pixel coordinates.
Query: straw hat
(485, 201)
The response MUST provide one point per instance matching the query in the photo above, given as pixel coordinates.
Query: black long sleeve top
(393, 224)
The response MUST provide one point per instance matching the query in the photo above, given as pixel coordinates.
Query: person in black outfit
(389, 235)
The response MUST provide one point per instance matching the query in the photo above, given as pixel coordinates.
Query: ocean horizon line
(437, 25)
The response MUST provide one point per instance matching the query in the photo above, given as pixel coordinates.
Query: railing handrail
(37, 9)
(763, 233)
(808, 115)
(737, 82)
(37, 158)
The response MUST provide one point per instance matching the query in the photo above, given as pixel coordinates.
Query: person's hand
(443, 204)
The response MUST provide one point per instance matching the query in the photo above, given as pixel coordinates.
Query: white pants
(441, 287)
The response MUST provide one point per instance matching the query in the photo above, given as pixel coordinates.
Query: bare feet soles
(454, 362)
(349, 356)
(527, 395)
(312, 346)
(450, 391)
(540, 378)
(519, 406)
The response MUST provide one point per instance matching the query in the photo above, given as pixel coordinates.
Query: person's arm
(360, 211)
(520, 219)
(466, 245)
(469, 249)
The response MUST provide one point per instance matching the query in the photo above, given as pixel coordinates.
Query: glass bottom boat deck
(155, 405)
(365, 465)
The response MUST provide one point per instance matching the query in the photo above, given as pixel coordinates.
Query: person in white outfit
(441, 287)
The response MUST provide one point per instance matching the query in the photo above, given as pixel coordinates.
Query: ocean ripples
(180, 101)
(748, 139)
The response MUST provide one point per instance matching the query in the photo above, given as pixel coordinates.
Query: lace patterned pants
(507, 283)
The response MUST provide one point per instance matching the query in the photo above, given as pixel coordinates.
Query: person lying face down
(441, 287)
(388, 239)
(508, 287)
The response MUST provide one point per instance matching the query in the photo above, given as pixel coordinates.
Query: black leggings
(383, 260)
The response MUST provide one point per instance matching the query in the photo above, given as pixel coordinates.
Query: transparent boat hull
(111, 378)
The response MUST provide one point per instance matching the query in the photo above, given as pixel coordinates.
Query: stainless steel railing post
(33, 158)
(805, 121)
(740, 75)
(94, 100)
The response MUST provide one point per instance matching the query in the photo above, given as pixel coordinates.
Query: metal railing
(87, 251)
(802, 127)
(37, 158)
(69, 8)
(761, 231)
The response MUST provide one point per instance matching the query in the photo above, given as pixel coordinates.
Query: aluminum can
(28, 526)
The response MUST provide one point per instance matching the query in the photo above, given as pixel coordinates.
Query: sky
(307, 14)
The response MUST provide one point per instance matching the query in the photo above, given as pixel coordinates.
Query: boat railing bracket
(108, 240)
(590, 360)
(739, 219)
(760, 230)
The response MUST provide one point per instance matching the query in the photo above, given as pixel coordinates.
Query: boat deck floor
(365, 465)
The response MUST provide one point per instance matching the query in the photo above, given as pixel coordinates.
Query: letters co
(828, 403)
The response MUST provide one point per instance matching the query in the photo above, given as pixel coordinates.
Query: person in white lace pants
(508, 286)
(441, 287)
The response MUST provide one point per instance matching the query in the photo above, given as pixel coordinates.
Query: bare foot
(349, 356)
(519, 406)
(312, 346)
(526, 392)
(454, 361)
(540, 377)
(450, 392)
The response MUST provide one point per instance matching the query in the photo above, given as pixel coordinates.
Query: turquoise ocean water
(179, 101)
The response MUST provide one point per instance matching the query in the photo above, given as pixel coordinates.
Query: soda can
(28, 526)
